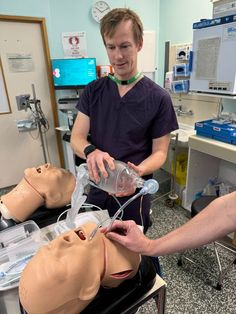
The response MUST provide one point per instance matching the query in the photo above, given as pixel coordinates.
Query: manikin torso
(69, 271)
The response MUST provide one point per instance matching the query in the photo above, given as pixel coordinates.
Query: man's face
(122, 51)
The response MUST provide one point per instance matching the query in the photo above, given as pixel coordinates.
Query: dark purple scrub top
(125, 126)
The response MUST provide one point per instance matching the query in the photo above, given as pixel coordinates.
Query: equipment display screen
(73, 73)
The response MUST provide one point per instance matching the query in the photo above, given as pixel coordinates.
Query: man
(215, 221)
(127, 116)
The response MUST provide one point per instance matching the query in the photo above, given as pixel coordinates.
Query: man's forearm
(158, 156)
(152, 163)
(78, 146)
(79, 134)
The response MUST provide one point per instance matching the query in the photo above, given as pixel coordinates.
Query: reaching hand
(132, 189)
(139, 169)
(127, 192)
(129, 235)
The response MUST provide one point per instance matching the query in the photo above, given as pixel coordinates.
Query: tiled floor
(189, 289)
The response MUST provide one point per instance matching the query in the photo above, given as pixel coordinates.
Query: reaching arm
(216, 220)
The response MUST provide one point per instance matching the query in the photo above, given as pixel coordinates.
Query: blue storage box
(180, 86)
(181, 70)
(220, 130)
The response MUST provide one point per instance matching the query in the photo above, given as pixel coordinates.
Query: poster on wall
(20, 62)
(74, 44)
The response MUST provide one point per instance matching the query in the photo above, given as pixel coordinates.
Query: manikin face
(122, 51)
(56, 185)
(69, 268)
(64, 276)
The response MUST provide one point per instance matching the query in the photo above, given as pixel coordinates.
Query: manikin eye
(81, 234)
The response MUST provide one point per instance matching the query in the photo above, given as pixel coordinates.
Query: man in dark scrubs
(127, 115)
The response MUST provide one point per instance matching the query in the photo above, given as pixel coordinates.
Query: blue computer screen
(73, 73)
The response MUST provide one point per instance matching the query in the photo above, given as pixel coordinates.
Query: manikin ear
(52, 198)
(90, 288)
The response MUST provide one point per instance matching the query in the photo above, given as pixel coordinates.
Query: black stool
(200, 203)
(197, 206)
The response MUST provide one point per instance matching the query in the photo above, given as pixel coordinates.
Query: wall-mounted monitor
(73, 73)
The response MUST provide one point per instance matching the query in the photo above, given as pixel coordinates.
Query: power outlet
(23, 101)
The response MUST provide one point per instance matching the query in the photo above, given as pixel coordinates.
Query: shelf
(62, 128)
(214, 148)
(212, 95)
(67, 99)
(208, 158)
(66, 107)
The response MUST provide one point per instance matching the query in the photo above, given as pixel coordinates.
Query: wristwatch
(89, 149)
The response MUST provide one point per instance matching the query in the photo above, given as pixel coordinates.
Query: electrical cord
(41, 121)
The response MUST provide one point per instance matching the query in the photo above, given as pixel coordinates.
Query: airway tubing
(150, 186)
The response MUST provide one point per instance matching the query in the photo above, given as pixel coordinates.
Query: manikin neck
(22, 201)
(120, 264)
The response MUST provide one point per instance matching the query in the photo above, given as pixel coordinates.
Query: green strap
(133, 79)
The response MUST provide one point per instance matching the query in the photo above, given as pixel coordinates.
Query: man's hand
(131, 191)
(127, 192)
(128, 234)
(139, 169)
(96, 167)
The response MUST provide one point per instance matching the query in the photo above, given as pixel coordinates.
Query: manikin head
(68, 272)
(44, 185)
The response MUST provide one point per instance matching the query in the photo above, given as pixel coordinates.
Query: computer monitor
(73, 73)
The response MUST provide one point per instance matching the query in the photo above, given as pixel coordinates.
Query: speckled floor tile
(189, 289)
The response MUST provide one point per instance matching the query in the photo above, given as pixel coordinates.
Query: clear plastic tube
(150, 186)
(121, 179)
(77, 198)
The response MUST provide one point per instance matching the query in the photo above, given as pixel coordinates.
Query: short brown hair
(110, 21)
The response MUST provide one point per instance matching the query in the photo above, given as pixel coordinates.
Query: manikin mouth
(81, 234)
(122, 274)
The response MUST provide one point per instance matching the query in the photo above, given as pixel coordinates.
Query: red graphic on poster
(74, 40)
